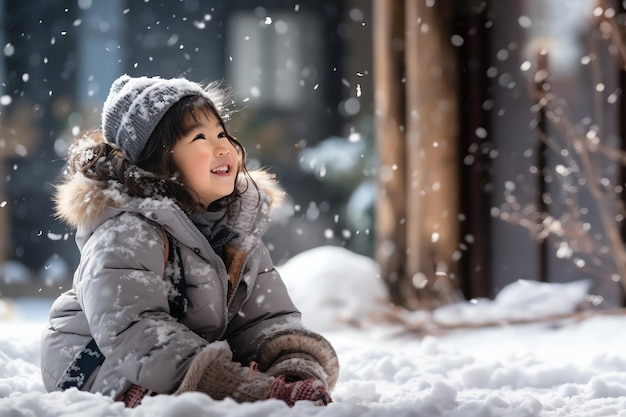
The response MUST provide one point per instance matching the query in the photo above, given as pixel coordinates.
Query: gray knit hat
(135, 106)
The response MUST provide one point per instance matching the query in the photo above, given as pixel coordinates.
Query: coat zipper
(218, 261)
(232, 296)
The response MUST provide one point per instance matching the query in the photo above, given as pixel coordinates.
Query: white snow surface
(554, 368)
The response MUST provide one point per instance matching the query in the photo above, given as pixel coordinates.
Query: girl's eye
(199, 136)
(221, 135)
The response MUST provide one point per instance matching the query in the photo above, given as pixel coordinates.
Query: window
(272, 59)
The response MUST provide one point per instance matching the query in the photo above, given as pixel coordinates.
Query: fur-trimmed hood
(85, 204)
(81, 201)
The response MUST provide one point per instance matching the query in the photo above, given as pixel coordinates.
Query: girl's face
(207, 160)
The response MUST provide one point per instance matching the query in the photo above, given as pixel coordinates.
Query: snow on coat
(120, 297)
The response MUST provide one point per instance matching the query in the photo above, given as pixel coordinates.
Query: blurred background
(300, 74)
(305, 76)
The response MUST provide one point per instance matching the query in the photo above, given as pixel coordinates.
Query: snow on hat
(135, 106)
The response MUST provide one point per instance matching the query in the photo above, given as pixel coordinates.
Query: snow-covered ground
(566, 368)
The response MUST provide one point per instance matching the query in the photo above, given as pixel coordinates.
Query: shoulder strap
(175, 272)
(167, 249)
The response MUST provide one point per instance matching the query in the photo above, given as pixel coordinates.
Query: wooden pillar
(417, 117)
(622, 132)
(541, 85)
(4, 210)
(432, 137)
(474, 176)
(389, 103)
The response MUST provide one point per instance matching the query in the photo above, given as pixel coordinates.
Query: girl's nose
(221, 151)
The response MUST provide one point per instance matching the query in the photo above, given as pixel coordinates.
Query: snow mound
(333, 287)
(521, 299)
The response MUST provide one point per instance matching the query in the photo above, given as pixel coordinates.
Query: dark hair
(154, 172)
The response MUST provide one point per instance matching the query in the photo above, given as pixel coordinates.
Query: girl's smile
(221, 170)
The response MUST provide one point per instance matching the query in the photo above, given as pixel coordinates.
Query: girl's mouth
(221, 170)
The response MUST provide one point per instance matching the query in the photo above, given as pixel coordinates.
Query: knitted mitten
(296, 367)
(213, 372)
(299, 354)
(309, 389)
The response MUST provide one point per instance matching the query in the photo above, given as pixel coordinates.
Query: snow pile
(521, 300)
(333, 287)
(561, 368)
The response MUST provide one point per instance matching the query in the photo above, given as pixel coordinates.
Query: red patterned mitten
(308, 390)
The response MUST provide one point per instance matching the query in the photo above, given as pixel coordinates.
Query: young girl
(175, 290)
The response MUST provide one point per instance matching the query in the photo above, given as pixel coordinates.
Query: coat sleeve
(122, 292)
(259, 306)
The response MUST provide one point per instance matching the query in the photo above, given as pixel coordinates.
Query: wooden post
(389, 102)
(542, 208)
(4, 218)
(416, 130)
(432, 176)
(474, 123)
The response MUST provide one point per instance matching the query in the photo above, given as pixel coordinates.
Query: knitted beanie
(135, 106)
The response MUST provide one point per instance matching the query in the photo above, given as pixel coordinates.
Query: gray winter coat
(119, 295)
